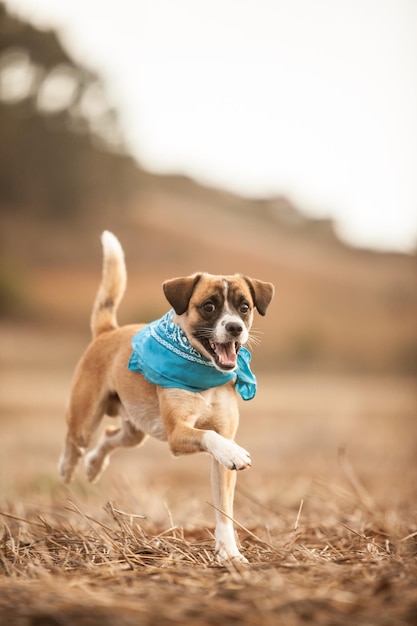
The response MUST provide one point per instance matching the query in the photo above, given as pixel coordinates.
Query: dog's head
(216, 312)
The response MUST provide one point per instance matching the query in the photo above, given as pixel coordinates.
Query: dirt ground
(327, 516)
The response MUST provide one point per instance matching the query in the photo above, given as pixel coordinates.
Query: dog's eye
(244, 308)
(208, 307)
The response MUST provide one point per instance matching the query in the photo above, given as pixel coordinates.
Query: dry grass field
(327, 516)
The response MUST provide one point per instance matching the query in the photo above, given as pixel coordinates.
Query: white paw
(223, 555)
(227, 451)
(94, 465)
(235, 457)
(68, 462)
(65, 470)
(226, 546)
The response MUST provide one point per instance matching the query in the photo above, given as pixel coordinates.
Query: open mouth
(225, 354)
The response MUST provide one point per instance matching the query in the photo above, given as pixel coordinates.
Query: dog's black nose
(234, 328)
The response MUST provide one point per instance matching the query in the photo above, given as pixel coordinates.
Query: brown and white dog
(190, 422)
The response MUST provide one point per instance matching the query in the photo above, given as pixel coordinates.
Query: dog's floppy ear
(178, 291)
(262, 293)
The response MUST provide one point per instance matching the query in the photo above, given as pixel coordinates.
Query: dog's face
(216, 312)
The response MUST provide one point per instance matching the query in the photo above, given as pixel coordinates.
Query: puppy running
(175, 379)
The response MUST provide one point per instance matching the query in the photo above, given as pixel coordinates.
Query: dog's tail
(112, 286)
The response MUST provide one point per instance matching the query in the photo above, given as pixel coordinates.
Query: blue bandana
(163, 354)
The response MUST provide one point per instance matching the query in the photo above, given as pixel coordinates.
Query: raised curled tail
(112, 286)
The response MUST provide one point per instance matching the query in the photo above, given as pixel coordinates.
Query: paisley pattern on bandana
(163, 354)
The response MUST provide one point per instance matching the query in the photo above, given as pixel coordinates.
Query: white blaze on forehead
(226, 294)
(227, 304)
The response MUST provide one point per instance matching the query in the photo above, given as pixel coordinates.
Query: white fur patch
(111, 245)
(226, 451)
(221, 335)
(226, 547)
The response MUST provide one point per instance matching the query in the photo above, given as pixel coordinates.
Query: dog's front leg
(183, 438)
(223, 484)
(182, 410)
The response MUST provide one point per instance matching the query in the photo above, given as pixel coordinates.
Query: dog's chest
(146, 417)
(201, 410)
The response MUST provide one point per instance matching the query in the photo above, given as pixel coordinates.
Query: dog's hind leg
(125, 435)
(83, 418)
(69, 458)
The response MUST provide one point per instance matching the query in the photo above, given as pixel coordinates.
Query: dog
(208, 325)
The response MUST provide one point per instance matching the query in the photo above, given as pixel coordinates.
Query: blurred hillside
(65, 176)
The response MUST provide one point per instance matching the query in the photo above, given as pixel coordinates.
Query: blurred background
(276, 139)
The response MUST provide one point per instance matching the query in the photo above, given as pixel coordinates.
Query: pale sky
(315, 99)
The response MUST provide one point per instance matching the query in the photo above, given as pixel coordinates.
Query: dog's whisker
(252, 342)
(255, 339)
(255, 331)
(204, 333)
(255, 336)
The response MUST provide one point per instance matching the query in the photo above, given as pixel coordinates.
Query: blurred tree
(60, 146)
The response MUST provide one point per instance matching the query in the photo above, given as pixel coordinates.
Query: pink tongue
(226, 353)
